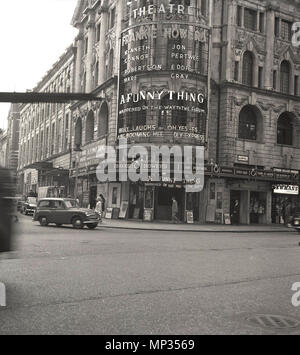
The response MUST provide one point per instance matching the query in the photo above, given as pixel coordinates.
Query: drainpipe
(219, 86)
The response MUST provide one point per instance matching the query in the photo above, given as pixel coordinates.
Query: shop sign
(286, 189)
(243, 158)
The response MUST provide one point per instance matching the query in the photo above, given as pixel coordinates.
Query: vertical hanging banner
(163, 72)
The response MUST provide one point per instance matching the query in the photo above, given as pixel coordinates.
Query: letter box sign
(286, 189)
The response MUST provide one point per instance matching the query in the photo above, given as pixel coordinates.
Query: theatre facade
(223, 75)
(170, 79)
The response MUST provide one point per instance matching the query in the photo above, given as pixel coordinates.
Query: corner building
(134, 54)
(149, 61)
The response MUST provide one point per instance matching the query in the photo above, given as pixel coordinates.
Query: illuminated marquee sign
(163, 69)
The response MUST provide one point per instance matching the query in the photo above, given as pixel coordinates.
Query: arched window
(78, 133)
(103, 120)
(285, 129)
(90, 127)
(285, 70)
(248, 123)
(248, 69)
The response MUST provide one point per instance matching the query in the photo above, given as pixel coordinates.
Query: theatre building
(149, 61)
(223, 75)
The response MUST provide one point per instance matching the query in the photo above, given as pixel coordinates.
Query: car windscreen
(71, 204)
(31, 200)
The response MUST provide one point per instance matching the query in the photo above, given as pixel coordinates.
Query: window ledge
(250, 140)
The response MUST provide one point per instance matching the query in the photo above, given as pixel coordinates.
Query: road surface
(113, 281)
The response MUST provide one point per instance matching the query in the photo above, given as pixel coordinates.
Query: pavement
(181, 227)
(113, 281)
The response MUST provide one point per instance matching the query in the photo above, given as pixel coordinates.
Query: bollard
(2, 295)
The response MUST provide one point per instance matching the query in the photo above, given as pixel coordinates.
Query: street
(113, 281)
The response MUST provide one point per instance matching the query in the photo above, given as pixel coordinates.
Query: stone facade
(254, 104)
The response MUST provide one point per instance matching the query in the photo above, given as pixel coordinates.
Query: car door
(58, 212)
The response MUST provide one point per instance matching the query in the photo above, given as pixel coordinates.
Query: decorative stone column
(269, 48)
(90, 53)
(78, 65)
(101, 54)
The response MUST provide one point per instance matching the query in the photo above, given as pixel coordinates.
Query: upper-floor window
(286, 30)
(86, 45)
(239, 16)
(248, 69)
(248, 123)
(285, 129)
(285, 70)
(250, 19)
(112, 18)
(98, 31)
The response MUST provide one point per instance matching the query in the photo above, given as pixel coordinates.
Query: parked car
(62, 211)
(29, 206)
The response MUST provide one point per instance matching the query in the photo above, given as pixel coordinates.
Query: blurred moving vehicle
(29, 206)
(62, 211)
(6, 194)
(13, 208)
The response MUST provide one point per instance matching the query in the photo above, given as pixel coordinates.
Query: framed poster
(227, 219)
(116, 213)
(108, 214)
(190, 217)
(136, 213)
(124, 210)
(148, 215)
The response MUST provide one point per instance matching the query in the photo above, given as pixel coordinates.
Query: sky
(33, 35)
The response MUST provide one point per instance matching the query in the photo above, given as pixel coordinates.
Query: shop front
(285, 199)
(153, 201)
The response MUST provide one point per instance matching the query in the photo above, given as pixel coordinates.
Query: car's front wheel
(43, 221)
(77, 223)
(92, 226)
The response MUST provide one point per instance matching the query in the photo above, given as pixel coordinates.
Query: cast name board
(163, 68)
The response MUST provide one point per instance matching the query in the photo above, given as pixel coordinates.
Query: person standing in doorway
(174, 210)
(235, 216)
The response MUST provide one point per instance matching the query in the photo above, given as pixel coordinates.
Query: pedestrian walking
(174, 210)
(99, 207)
(287, 213)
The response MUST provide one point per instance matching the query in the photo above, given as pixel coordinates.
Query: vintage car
(62, 211)
(29, 206)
